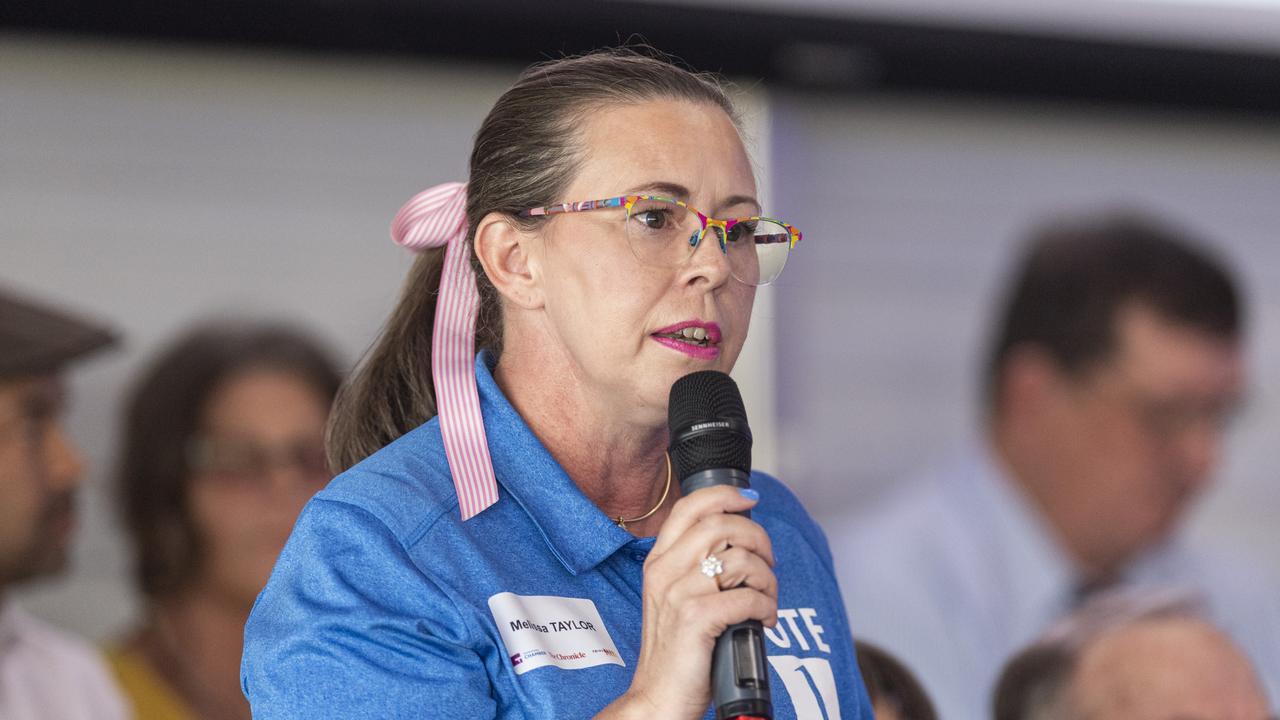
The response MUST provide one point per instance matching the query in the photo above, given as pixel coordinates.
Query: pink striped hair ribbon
(437, 217)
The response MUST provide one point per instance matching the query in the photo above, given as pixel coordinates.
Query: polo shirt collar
(576, 531)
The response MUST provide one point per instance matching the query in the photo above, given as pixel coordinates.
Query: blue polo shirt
(384, 604)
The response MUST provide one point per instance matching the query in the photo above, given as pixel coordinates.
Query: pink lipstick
(694, 338)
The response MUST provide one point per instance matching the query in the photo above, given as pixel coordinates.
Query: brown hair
(526, 153)
(1078, 273)
(163, 415)
(888, 681)
(1035, 683)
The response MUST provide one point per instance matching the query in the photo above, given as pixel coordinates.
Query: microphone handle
(739, 677)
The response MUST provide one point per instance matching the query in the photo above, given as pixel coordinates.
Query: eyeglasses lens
(664, 234)
(249, 462)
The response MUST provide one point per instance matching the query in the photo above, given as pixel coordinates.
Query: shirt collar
(577, 532)
(1018, 542)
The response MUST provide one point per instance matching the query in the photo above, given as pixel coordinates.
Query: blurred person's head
(895, 692)
(223, 444)
(40, 467)
(1131, 657)
(1116, 363)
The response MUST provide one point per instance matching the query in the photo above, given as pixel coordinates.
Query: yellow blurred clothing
(152, 698)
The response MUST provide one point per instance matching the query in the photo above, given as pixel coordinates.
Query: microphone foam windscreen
(702, 397)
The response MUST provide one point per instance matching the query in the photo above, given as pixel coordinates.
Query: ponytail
(390, 392)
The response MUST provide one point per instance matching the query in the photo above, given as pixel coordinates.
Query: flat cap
(36, 338)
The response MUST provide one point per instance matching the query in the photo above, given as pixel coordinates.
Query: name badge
(543, 630)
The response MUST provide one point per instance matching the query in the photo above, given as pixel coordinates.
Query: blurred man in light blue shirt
(1114, 370)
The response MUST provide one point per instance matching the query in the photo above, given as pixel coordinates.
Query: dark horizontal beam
(843, 54)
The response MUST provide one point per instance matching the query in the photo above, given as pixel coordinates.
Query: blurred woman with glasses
(223, 444)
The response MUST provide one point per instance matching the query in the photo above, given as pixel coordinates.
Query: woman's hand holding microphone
(708, 569)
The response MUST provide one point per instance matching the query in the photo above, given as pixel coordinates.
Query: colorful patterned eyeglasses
(665, 232)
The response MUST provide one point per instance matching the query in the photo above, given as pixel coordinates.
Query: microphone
(711, 445)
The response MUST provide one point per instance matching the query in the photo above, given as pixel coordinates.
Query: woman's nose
(700, 235)
(709, 260)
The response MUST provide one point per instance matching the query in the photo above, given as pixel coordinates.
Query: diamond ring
(711, 566)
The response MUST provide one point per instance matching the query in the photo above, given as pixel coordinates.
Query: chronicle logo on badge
(543, 630)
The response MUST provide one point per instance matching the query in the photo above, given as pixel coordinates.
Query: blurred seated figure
(1115, 367)
(895, 693)
(45, 674)
(1130, 656)
(223, 444)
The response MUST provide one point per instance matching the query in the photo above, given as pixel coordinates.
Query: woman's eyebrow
(666, 189)
(733, 200)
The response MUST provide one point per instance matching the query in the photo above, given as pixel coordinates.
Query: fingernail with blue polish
(749, 494)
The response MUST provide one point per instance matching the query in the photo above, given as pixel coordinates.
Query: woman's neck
(195, 641)
(621, 466)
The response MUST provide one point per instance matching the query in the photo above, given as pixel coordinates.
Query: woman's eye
(652, 219)
(740, 232)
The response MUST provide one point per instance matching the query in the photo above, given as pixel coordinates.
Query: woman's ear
(504, 251)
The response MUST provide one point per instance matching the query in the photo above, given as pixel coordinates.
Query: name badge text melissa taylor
(540, 630)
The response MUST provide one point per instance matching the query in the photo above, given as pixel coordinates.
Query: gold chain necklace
(622, 522)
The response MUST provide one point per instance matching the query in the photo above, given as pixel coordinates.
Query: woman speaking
(508, 541)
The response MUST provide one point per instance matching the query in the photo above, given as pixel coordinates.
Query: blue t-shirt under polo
(384, 604)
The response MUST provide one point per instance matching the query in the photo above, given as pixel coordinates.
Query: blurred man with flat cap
(44, 672)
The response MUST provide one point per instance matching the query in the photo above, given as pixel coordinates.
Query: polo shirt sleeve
(350, 627)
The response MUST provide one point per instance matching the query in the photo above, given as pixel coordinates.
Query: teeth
(694, 333)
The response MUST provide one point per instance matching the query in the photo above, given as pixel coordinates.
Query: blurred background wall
(157, 167)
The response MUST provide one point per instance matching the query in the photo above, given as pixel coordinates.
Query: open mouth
(696, 336)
